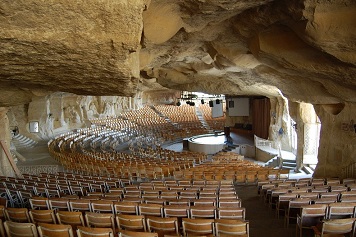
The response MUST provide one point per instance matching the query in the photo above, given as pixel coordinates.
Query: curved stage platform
(207, 143)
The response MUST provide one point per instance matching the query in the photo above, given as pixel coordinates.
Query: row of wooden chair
(130, 226)
(328, 211)
(228, 209)
(13, 229)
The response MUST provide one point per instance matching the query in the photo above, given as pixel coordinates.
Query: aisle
(263, 220)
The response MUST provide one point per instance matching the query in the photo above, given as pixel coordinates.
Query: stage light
(178, 103)
(202, 101)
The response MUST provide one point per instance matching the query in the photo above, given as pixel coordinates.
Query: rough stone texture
(83, 47)
(302, 50)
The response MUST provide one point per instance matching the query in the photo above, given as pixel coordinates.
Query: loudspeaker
(217, 101)
(231, 104)
(202, 101)
(211, 103)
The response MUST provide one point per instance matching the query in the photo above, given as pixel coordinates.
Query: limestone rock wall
(337, 148)
(61, 112)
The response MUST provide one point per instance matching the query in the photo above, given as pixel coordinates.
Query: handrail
(349, 171)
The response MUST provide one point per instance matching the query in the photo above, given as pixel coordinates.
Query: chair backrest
(341, 210)
(176, 211)
(202, 212)
(127, 233)
(125, 207)
(225, 227)
(39, 203)
(314, 210)
(44, 216)
(17, 214)
(162, 225)
(20, 229)
(100, 220)
(83, 231)
(229, 203)
(79, 205)
(198, 226)
(150, 209)
(231, 213)
(131, 222)
(338, 226)
(54, 230)
(102, 206)
(72, 218)
(59, 204)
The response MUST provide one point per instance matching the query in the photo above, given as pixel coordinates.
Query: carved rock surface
(304, 50)
(83, 47)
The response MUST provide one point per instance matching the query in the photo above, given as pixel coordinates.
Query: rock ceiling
(304, 50)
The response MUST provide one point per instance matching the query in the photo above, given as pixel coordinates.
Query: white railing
(37, 169)
(262, 142)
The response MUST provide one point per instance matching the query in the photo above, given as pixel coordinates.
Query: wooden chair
(81, 205)
(125, 207)
(61, 204)
(160, 225)
(335, 228)
(147, 209)
(54, 230)
(283, 202)
(131, 222)
(231, 213)
(340, 210)
(310, 215)
(17, 214)
(15, 229)
(102, 206)
(43, 216)
(202, 212)
(293, 209)
(38, 202)
(198, 227)
(72, 218)
(273, 198)
(127, 233)
(100, 220)
(226, 228)
(83, 231)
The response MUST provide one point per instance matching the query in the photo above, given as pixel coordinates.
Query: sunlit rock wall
(337, 147)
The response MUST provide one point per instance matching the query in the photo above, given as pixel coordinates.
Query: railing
(262, 142)
(37, 169)
(349, 171)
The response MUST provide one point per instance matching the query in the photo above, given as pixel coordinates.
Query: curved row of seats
(129, 226)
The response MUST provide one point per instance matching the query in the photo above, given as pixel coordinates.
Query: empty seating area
(310, 203)
(160, 206)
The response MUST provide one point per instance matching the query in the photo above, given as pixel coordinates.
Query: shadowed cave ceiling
(304, 50)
